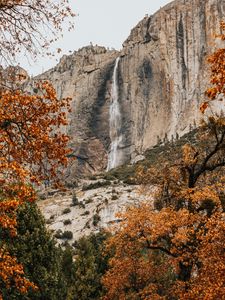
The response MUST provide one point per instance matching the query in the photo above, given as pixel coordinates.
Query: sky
(103, 22)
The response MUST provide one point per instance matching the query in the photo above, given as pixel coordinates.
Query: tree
(217, 80)
(31, 26)
(32, 148)
(90, 264)
(41, 259)
(11, 272)
(177, 250)
(27, 142)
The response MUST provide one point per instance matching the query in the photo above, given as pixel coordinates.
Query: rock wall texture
(164, 72)
(85, 76)
(162, 76)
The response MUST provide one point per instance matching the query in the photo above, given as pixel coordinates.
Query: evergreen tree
(36, 249)
(90, 265)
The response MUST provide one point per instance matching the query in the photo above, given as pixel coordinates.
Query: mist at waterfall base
(115, 123)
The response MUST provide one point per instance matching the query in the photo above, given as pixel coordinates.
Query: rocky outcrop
(164, 73)
(13, 76)
(85, 76)
(95, 208)
(162, 76)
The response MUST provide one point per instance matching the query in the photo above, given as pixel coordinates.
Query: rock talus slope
(162, 76)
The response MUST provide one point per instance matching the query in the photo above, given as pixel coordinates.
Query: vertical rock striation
(164, 70)
(162, 76)
(86, 77)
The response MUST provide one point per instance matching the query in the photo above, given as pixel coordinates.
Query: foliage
(96, 185)
(217, 63)
(66, 211)
(36, 250)
(27, 155)
(177, 250)
(75, 201)
(28, 25)
(67, 235)
(89, 266)
(26, 138)
(67, 222)
(96, 219)
(154, 157)
(86, 213)
(28, 152)
(11, 271)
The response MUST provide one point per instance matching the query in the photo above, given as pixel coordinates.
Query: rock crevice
(162, 77)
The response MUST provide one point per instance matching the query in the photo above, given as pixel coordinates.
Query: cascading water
(115, 122)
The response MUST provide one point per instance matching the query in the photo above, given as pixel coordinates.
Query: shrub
(67, 222)
(75, 201)
(109, 177)
(67, 235)
(130, 180)
(114, 197)
(87, 225)
(85, 213)
(96, 219)
(58, 234)
(81, 205)
(49, 221)
(96, 185)
(64, 235)
(71, 185)
(66, 211)
(42, 197)
(92, 177)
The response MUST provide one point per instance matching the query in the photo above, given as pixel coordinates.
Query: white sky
(103, 22)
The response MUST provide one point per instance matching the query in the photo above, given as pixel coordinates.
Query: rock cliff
(161, 76)
(85, 76)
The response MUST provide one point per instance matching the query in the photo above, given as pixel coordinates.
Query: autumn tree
(31, 150)
(177, 250)
(32, 147)
(30, 26)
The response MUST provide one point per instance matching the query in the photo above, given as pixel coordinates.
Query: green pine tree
(90, 264)
(36, 249)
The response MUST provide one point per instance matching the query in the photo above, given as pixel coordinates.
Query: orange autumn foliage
(175, 249)
(32, 149)
(168, 253)
(217, 80)
(10, 270)
(28, 146)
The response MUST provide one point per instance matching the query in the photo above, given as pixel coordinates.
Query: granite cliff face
(161, 76)
(164, 72)
(85, 76)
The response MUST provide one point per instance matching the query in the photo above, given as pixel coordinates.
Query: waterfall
(115, 123)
